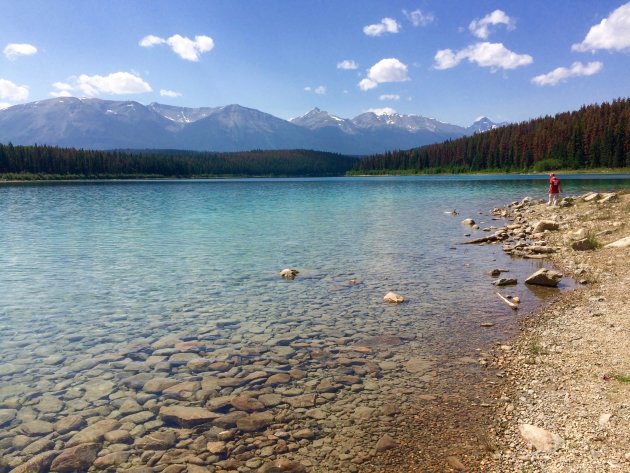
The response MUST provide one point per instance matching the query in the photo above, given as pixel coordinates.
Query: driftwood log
(507, 301)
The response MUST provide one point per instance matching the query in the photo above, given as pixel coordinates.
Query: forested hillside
(24, 162)
(596, 136)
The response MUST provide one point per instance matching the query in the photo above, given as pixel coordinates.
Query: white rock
(289, 273)
(623, 243)
(604, 419)
(542, 440)
(393, 298)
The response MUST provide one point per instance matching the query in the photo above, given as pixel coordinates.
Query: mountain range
(107, 124)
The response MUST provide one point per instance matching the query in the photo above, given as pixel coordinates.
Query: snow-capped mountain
(107, 124)
(483, 124)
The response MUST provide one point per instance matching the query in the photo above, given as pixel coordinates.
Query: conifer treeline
(54, 161)
(593, 137)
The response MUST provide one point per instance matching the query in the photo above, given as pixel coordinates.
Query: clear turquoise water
(111, 258)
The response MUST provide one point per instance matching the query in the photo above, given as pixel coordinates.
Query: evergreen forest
(596, 136)
(49, 162)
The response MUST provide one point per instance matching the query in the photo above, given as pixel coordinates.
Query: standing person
(554, 189)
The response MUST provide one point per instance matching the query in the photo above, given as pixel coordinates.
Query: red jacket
(554, 185)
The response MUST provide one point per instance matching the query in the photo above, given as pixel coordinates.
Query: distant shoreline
(11, 179)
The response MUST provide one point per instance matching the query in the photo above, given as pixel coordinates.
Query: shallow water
(88, 270)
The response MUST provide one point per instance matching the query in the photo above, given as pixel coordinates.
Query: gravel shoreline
(567, 372)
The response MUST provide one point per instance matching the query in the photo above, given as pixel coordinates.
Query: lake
(107, 286)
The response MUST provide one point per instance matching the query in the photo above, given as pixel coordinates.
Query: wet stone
(254, 422)
(161, 440)
(78, 458)
(247, 404)
(185, 416)
(36, 427)
(94, 432)
(6, 416)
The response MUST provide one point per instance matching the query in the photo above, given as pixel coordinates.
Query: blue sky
(450, 60)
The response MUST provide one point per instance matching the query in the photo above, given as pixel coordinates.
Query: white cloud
(386, 70)
(116, 83)
(4, 105)
(387, 25)
(12, 92)
(493, 55)
(419, 18)
(169, 93)
(561, 74)
(150, 41)
(481, 28)
(184, 47)
(347, 64)
(320, 90)
(612, 33)
(13, 50)
(382, 111)
(389, 97)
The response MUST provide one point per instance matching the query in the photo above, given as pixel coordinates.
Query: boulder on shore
(542, 440)
(544, 277)
(623, 243)
(545, 225)
(468, 221)
(505, 282)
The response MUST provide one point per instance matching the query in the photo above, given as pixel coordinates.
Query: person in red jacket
(555, 188)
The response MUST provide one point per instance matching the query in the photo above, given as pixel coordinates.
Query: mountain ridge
(110, 124)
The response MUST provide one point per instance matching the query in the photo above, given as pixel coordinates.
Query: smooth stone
(393, 298)
(584, 244)
(468, 221)
(386, 442)
(68, 424)
(93, 432)
(38, 446)
(96, 390)
(216, 447)
(504, 282)
(247, 404)
(118, 436)
(283, 465)
(542, 440)
(231, 382)
(38, 464)
(317, 414)
(289, 273)
(622, 243)
(49, 404)
(36, 427)
(363, 412)
(111, 460)
(254, 422)
(543, 225)
(455, 463)
(6, 416)
(129, 406)
(78, 458)
(279, 378)
(157, 385)
(419, 365)
(307, 434)
(305, 400)
(185, 416)
(138, 418)
(544, 277)
(381, 341)
(161, 440)
(228, 421)
(270, 400)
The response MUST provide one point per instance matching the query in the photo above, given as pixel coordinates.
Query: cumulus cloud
(481, 27)
(419, 18)
(389, 97)
(382, 111)
(184, 47)
(319, 90)
(561, 74)
(12, 92)
(386, 70)
(151, 40)
(4, 105)
(169, 93)
(387, 25)
(493, 55)
(612, 33)
(347, 64)
(116, 83)
(14, 50)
